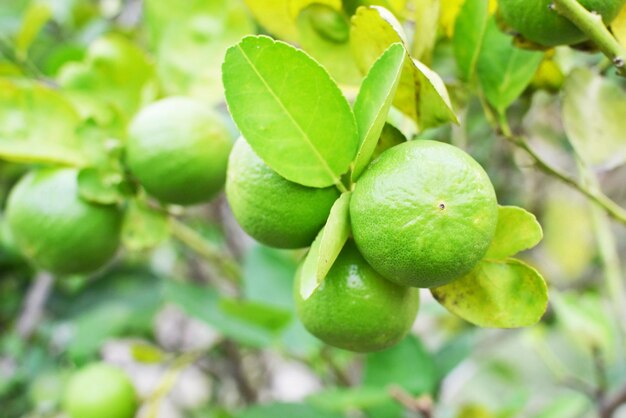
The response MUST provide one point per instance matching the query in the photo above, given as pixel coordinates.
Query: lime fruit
(271, 209)
(100, 391)
(178, 150)
(423, 213)
(56, 229)
(538, 22)
(355, 308)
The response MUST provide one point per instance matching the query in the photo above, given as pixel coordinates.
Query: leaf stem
(591, 24)
(226, 265)
(613, 209)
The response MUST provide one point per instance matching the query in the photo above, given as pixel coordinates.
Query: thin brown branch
(422, 405)
(34, 304)
(611, 405)
(247, 391)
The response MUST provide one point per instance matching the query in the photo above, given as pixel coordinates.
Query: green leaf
(37, 14)
(504, 71)
(348, 399)
(426, 29)
(593, 116)
(517, 230)
(285, 410)
(204, 304)
(374, 101)
(256, 313)
(268, 276)
(324, 33)
(408, 365)
(37, 125)
(190, 42)
(144, 227)
(285, 104)
(389, 137)
(469, 34)
(497, 294)
(421, 94)
(99, 186)
(327, 246)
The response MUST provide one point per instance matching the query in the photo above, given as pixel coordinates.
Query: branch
(608, 408)
(247, 390)
(613, 209)
(591, 24)
(34, 303)
(226, 265)
(422, 405)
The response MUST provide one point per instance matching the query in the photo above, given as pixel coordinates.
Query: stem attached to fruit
(226, 265)
(592, 25)
(613, 209)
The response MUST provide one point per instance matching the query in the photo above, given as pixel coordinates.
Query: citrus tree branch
(211, 253)
(592, 25)
(613, 209)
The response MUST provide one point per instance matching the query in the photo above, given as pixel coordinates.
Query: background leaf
(300, 105)
(593, 116)
(504, 71)
(286, 410)
(469, 35)
(144, 227)
(374, 101)
(517, 230)
(504, 294)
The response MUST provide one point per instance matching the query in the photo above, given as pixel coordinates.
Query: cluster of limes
(540, 22)
(422, 214)
(177, 149)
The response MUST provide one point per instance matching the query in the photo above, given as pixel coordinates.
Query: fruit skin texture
(100, 391)
(423, 213)
(536, 22)
(178, 149)
(356, 308)
(271, 209)
(56, 229)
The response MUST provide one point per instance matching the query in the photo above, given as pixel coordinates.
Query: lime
(178, 149)
(538, 22)
(355, 308)
(271, 209)
(100, 391)
(56, 229)
(423, 213)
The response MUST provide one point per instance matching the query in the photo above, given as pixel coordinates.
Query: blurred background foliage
(197, 344)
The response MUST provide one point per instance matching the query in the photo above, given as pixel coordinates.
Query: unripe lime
(423, 213)
(537, 21)
(58, 230)
(178, 149)
(271, 209)
(100, 391)
(355, 308)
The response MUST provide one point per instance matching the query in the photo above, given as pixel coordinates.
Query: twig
(226, 265)
(34, 304)
(608, 408)
(591, 24)
(246, 389)
(422, 405)
(601, 376)
(613, 209)
(342, 377)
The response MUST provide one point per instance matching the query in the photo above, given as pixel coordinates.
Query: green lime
(538, 22)
(271, 209)
(178, 149)
(355, 308)
(423, 213)
(56, 229)
(100, 391)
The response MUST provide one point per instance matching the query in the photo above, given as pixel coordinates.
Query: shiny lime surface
(178, 149)
(100, 391)
(56, 229)
(355, 308)
(271, 209)
(423, 213)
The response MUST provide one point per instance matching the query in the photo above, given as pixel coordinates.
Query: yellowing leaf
(619, 26)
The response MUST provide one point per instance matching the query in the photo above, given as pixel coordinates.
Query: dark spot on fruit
(442, 206)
